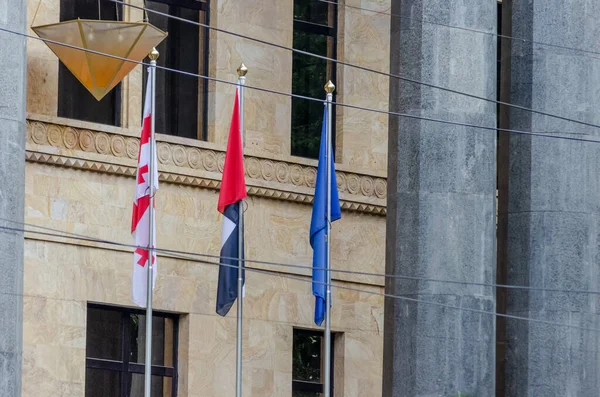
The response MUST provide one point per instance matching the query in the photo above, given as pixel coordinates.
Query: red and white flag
(140, 220)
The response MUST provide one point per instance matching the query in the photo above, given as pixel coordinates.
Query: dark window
(307, 366)
(181, 101)
(74, 100)
(115, 353)
(315, 31)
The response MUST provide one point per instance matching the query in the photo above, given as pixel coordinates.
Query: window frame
(313, 387)
(328, 31)
(124, 367)
(200, 6)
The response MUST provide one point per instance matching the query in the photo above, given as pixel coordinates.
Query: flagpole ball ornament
(154, 54)
(329, 87)
(100, 73)
(242, 70)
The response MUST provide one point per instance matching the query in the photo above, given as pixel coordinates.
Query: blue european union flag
(318, 224)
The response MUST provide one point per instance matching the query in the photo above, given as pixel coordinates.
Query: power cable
(363, 68)
(305, 279)
(466, 29)
(304, 267)
(405, 115)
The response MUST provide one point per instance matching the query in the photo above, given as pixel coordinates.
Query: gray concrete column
(441, 202)
(12, 191)
(554, 201)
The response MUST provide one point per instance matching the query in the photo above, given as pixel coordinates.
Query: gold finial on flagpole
(329, 87)
(242, 70)
(153, 54)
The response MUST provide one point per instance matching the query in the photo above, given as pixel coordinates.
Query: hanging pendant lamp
(99, 73)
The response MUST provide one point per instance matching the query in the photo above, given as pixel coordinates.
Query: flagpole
(242, 70)
(148, 359)
(329, 88)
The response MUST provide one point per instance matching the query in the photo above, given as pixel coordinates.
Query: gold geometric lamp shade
(99, 73)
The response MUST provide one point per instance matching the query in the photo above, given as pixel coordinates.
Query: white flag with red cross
(140, 220)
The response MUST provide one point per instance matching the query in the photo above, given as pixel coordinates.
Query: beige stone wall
(79, 178)
(267, 116)
(61, 278)
(362, 40)
(42, 64)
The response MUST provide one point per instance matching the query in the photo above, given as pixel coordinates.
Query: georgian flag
(140, 219)
(233, 190)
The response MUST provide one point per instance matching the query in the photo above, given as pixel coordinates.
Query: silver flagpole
(329, 88)
(148, 362)
(242, 70)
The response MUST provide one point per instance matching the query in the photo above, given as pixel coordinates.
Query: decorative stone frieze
(115, 153)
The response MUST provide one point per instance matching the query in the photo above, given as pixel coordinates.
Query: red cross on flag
(140, 220)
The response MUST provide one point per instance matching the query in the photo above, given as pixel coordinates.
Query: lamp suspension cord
(36, 12)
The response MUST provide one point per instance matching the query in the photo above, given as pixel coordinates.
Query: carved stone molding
(276, 179)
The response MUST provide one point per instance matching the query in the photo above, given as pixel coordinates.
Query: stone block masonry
(441, 202)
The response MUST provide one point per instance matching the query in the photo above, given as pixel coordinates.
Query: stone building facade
(79, 177)
(68, 324)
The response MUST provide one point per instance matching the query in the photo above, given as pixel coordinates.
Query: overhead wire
(305, 267)
(405, 115)
(367, 109)
(334, 285)
(414, 300)
(466, 29)
(360, 108)
(171, 252)
(363, 68)
(271, 273)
